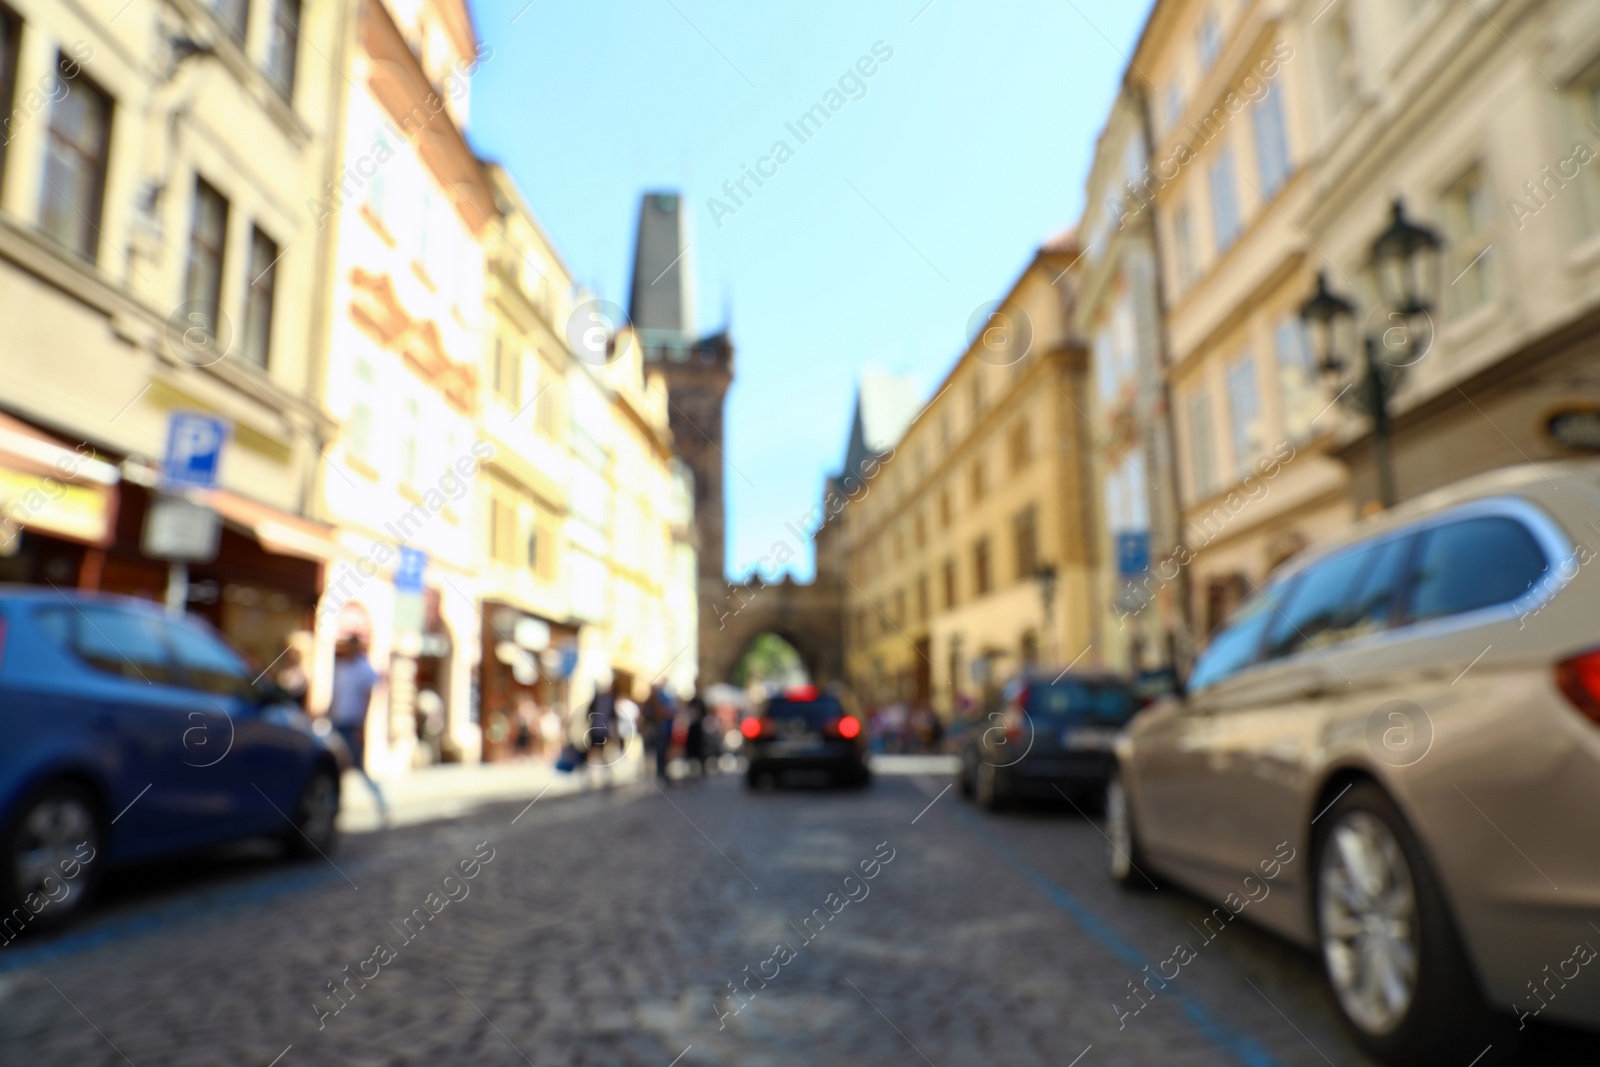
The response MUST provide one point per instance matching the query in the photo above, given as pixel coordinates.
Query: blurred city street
(607, 926)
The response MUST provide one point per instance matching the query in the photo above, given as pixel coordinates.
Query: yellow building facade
(946, 535)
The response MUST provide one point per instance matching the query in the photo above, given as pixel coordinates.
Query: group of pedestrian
(897, 727)
(685, 728)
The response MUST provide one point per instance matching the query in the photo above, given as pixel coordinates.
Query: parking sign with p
(194, 449)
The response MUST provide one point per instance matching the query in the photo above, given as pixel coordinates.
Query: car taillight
(1013, 720)
(849, 727)
(751, 728)
(1579, 679)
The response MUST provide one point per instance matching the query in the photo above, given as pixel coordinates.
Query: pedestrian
(292, 677)
(353, 681)
(658, 715)
(694, 742)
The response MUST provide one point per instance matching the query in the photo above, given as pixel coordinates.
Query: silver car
(1391, 754)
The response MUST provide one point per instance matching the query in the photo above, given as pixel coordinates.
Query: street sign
(180, 530)
(1133, 552)
(194, 449)
(409, 569)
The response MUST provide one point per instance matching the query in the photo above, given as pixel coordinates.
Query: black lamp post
(1045, 576)
(1405, 258)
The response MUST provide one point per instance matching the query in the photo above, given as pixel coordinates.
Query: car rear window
(1474, 563)
(1109, 702)
(816, 713)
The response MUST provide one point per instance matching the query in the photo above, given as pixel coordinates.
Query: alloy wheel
(1368, 922)
(47, 844)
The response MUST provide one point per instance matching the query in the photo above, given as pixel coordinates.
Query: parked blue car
(128, 734)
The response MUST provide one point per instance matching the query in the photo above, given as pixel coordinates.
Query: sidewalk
(444, 791)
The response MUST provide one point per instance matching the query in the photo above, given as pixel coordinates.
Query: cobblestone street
(612, 927)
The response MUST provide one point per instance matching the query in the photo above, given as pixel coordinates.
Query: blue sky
(919, 200)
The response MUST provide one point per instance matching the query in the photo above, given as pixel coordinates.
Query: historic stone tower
(698, 372)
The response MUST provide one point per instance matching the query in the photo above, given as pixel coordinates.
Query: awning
(47, 485)
(278, 531)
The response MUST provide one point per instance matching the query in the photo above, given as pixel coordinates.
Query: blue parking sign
(1133, 552)
(408, 570)
(194, 449)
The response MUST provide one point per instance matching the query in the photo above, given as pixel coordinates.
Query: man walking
(353, 682)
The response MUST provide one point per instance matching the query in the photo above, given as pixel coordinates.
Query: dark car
(1047, 737)
(808, 731)
(131, 734)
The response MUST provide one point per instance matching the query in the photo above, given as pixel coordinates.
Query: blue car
(130, 734)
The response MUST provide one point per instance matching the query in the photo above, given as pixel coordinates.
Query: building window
(946, 432)
(1183, 247)
(1244, 415)
(976, 476)
(1272, 143)
(948, 576)
(10, 37)
(258, 297)
(1202, 468)
(1225, 224)
(919, 530)
(976, 390)
(1297, 379)
(409, 445)
(1020, 446)
(503, 546)
(922, 597)
(980, 566)
(234, 15)
(899, 546)
(360, 443)
(944, 509)
(1339, 64)
(899, 607)
(1172, 104)
(1025, 534)
(1208, 40)
(75, 166)
(1469, 258)
(208, 234)
(283, 39)
(507, 372)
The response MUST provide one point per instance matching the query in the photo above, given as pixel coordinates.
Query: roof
(885, 405)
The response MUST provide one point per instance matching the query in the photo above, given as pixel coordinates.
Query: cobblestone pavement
(606, 929)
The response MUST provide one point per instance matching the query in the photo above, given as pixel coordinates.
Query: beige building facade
(1281, 134)
(157, 260)
(951, 527)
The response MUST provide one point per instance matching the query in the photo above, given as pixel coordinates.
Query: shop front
(524, 695)
(58, 508)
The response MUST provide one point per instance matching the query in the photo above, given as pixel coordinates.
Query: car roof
(14, 593)
(1525, 479)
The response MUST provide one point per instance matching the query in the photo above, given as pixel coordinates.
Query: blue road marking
(1240, 1046)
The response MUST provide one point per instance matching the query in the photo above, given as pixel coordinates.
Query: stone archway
(809, 617)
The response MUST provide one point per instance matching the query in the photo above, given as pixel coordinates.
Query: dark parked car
(805, 730)
(1046, 737)
(131, 734)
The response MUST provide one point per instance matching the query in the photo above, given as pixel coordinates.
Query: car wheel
(1124, 859)
(315, 831)
(989, 791)
(1390, 952)
(52, 845)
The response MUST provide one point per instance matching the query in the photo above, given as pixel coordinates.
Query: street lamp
(1405, 258)
(1045, 576)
